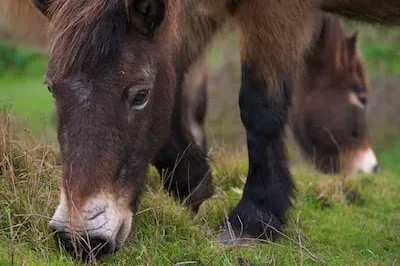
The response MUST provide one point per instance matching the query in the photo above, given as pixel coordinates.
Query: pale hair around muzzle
(101, 225)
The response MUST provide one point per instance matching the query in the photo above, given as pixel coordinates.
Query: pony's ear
(42, 6)
(323, 33)
(147, 15)
(352, 44)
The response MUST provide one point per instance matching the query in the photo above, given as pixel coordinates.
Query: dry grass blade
(28, 186)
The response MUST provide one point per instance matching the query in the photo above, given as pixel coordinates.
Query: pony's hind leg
(199, 115)
(195, 101)
(182, 162)
(271, 51)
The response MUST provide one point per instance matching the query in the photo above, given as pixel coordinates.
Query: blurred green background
(355, 233)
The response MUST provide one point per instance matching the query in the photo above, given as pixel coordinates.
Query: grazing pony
(115, 70)
(328, 113)
(328, 116)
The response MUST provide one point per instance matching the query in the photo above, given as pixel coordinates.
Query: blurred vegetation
(335, 220)
(22, 89)
(13, 59)
(380, 47)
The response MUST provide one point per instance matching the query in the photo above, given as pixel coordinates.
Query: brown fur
(328, 127)
(283, 41)
(206, 17)
(372, 11)
(194, 100)
(79, 36)
(333, 58)
(20, 22)
(99, 58)
(81, 41)
(203, 20)
(286, 37)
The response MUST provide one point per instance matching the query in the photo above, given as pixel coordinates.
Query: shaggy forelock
(83, 33)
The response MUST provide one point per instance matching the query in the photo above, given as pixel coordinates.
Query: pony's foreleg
(271, 50)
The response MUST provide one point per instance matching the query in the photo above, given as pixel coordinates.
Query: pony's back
(20, 22)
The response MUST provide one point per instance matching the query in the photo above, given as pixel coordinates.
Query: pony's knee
(263, 106)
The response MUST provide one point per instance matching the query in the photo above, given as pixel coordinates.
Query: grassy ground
(335, 220)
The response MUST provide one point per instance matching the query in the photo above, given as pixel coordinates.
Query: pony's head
(111, 72)
(330, 117)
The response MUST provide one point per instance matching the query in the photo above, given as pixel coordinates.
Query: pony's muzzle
(85, 246)
(367, 162)
(100, 228)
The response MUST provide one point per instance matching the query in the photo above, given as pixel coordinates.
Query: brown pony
(115, 70)
(328, 116)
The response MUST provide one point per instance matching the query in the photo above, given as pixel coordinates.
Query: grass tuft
(166, 233)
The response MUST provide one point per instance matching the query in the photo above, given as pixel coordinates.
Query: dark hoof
(247, 222)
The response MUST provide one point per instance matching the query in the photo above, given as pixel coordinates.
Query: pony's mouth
(101, 229)
(367, 162)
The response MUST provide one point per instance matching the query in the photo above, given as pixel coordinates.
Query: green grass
(356, 222)
(334, 220)
(389, 157)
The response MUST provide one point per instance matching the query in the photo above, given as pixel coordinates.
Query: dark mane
(83, 33)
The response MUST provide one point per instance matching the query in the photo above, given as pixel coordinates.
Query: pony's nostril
(55, 226)
(375, 169)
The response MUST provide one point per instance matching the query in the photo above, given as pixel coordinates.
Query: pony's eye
(363, 99)
(139, 99)
(50, 89)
